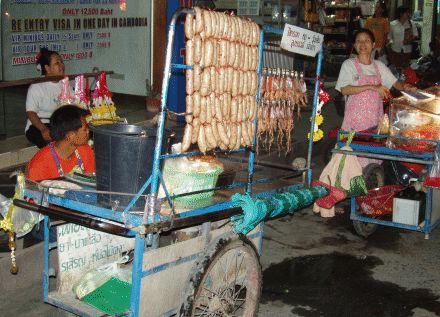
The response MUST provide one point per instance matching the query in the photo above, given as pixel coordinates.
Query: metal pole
(151, 210)
(3, 131)
(385, 156)
(315, 104)
(36, 80)
(254, 140)
(164, 97)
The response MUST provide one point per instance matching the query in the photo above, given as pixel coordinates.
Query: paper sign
(301, 41)
(81, 249)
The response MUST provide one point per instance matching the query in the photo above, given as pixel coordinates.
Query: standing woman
(42, 98)
(402, 33)
(365, 83)
(380, 26)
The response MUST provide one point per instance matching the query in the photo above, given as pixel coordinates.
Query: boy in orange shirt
(69, 150)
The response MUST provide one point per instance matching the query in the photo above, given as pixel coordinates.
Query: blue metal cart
(217, 270)
(366, 225)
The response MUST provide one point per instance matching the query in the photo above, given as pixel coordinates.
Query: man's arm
(36, 122)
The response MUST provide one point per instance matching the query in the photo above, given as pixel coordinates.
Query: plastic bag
(65, 97)
(334, 195)
(16, 219)
(184, 175)
(433, 179)
(384, 125)
(345, 172)
(95, 278)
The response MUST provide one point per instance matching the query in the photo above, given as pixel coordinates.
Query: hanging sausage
(222, 85)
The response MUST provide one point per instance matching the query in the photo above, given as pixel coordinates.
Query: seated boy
(69, 149)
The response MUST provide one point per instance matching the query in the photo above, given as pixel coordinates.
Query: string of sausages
(280, 90)
(222, 85)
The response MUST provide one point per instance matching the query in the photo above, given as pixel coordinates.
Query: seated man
(69, 149)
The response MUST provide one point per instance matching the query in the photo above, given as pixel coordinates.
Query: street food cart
(412, 139)
(214, 271)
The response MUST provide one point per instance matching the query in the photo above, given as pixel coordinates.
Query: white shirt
(42, 98)
(397, 35)
(348, 75)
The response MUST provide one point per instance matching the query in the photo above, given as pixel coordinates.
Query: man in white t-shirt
(42, 98)
(401, 36)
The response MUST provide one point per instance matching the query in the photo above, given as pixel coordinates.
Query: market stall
(410, 136)
(214, 265)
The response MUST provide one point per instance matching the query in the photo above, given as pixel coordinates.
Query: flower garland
(323, 98)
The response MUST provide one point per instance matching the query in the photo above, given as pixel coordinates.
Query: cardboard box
(406, 211)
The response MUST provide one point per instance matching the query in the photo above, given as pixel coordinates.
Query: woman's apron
(58, 164)
(364, 110)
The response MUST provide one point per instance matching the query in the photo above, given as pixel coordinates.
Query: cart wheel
(364, 229)
(228, 283)
(374, 177)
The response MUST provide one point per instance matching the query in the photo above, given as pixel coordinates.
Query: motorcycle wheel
(374, 177)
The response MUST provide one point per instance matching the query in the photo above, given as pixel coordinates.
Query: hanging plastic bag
(16, 219)
(349, 165)
(433, 179)
(65, 97)
(345, 172)
(334, 196)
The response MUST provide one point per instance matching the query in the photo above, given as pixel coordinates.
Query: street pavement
(312, 266)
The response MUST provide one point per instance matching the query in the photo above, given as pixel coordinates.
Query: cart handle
(76, 217)
(179, 223)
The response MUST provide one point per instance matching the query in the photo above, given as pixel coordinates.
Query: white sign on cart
(301, 41)
(81, 249)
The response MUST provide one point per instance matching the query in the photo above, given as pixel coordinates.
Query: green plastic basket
(192, 181)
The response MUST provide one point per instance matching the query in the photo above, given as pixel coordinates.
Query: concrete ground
(312, 266)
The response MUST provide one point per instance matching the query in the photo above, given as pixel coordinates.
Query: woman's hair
(366, 31)
(66, 119)
(400, 11)
(384, 9)
(43, 59)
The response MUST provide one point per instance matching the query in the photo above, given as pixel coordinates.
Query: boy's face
(81, 136)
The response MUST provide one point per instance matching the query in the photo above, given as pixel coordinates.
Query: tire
(374, 177)
(228, 283)
(364, 229)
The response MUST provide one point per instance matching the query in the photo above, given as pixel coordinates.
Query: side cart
(402, 145)
(215, 271)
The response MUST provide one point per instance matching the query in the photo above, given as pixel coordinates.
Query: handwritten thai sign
(301, 41)
(81, 249)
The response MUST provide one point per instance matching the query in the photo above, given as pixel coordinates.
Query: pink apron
(364, 110)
